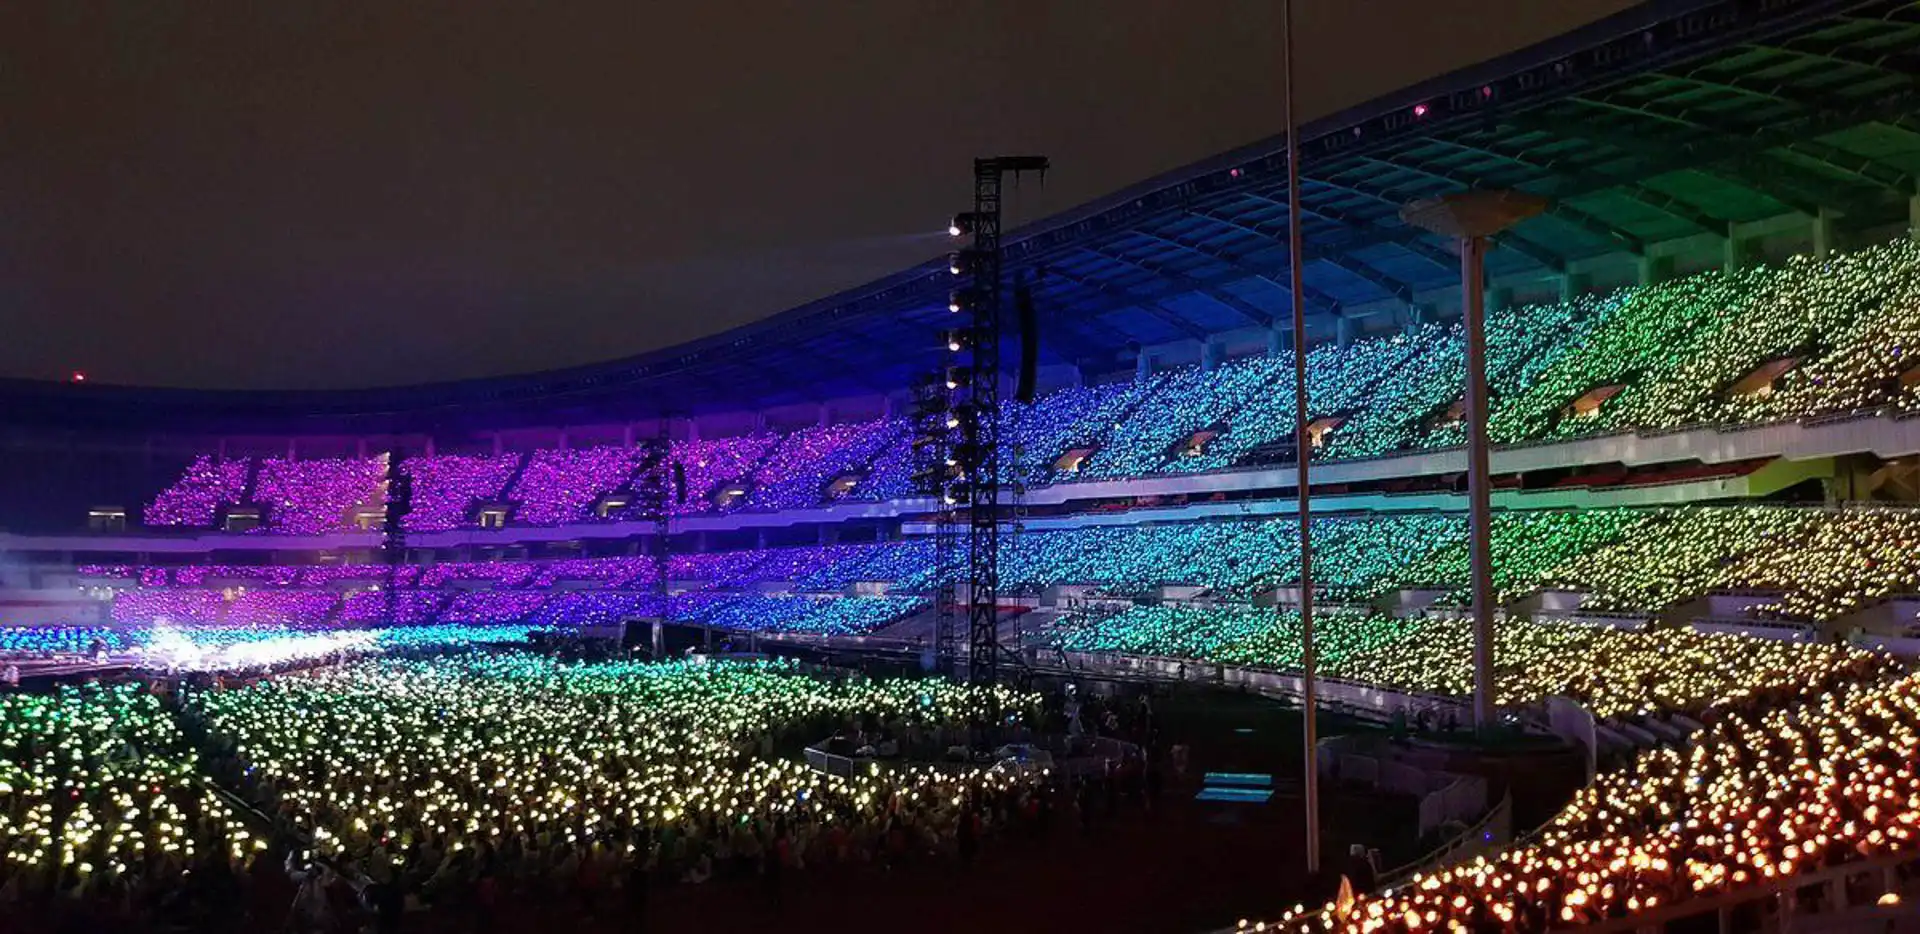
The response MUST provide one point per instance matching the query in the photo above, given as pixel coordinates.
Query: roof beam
(1904, 62)
(1664, 158)
(1532, 251)
(1580, 178)
(1128, 299)
(1393, 287)
(1519, 245)
(1393, 233)
(1314, 297)
(1741, 169)
(1246, 310)
(1839, 160)
(1099, 334)
(1593, 225)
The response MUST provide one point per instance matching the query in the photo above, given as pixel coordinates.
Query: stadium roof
(1672, 119)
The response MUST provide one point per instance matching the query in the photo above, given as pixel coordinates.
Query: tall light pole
(1302, 451)
(1470, 218)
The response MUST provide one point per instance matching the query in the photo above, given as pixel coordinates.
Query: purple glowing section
(313, 497)
(327, 574)
(402, 607)
(109, 571)
(446, 488)
(793, 475)
(195, 499)
(195, 575)
(714, 567)
(713, 463)
(628, 572)
(501, 573)
(558, 487)
(155, 605)
(275, 607)
(590, 608)
(493, 606)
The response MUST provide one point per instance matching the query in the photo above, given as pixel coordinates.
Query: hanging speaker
(1029, 341)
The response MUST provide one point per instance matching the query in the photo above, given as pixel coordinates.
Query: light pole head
(1469, 214)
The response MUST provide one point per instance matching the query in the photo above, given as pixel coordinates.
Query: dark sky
(313, 195)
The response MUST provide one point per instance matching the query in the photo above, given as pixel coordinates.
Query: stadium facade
(1702, 363)
(1711, 310)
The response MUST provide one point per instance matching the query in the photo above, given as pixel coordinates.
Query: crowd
(101, 796)
(1767, 792)
(831, 616)
(166, 647)
(1613, 672)
(1676, 350)
(465, 781)
(469, 778)
(1808, 564)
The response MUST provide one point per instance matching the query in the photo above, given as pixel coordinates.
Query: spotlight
(960, 300)
(963, 223)
(959, 339)
(964, 262)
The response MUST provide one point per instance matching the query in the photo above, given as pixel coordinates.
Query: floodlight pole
(1471, 218)
(1302, 449)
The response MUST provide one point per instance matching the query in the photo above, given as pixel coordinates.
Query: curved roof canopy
(1673, 119)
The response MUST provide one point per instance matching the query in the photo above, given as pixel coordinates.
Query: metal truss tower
(982, 466)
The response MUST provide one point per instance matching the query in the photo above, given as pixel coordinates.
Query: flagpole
(1309, 701)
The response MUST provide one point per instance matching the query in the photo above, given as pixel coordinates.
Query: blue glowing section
(1257, 779)
(1236, 795)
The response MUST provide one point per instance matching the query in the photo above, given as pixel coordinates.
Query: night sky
(292, 195)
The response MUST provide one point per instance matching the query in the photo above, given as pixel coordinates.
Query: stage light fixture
(960, 300)
(963, 223)
(964, 262)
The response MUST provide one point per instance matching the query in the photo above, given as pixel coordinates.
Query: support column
(1734, 254)
(1471, 217)
(1416, 316)
(1572, 286)
(1652, 270)
(1479, 476)
(1345, 330)
(1211, 355)
(1279, 339)
(826, 415)
(1143, 365)
(1824, 234)
(1913, 217)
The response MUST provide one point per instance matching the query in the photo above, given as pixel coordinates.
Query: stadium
(871, 610)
